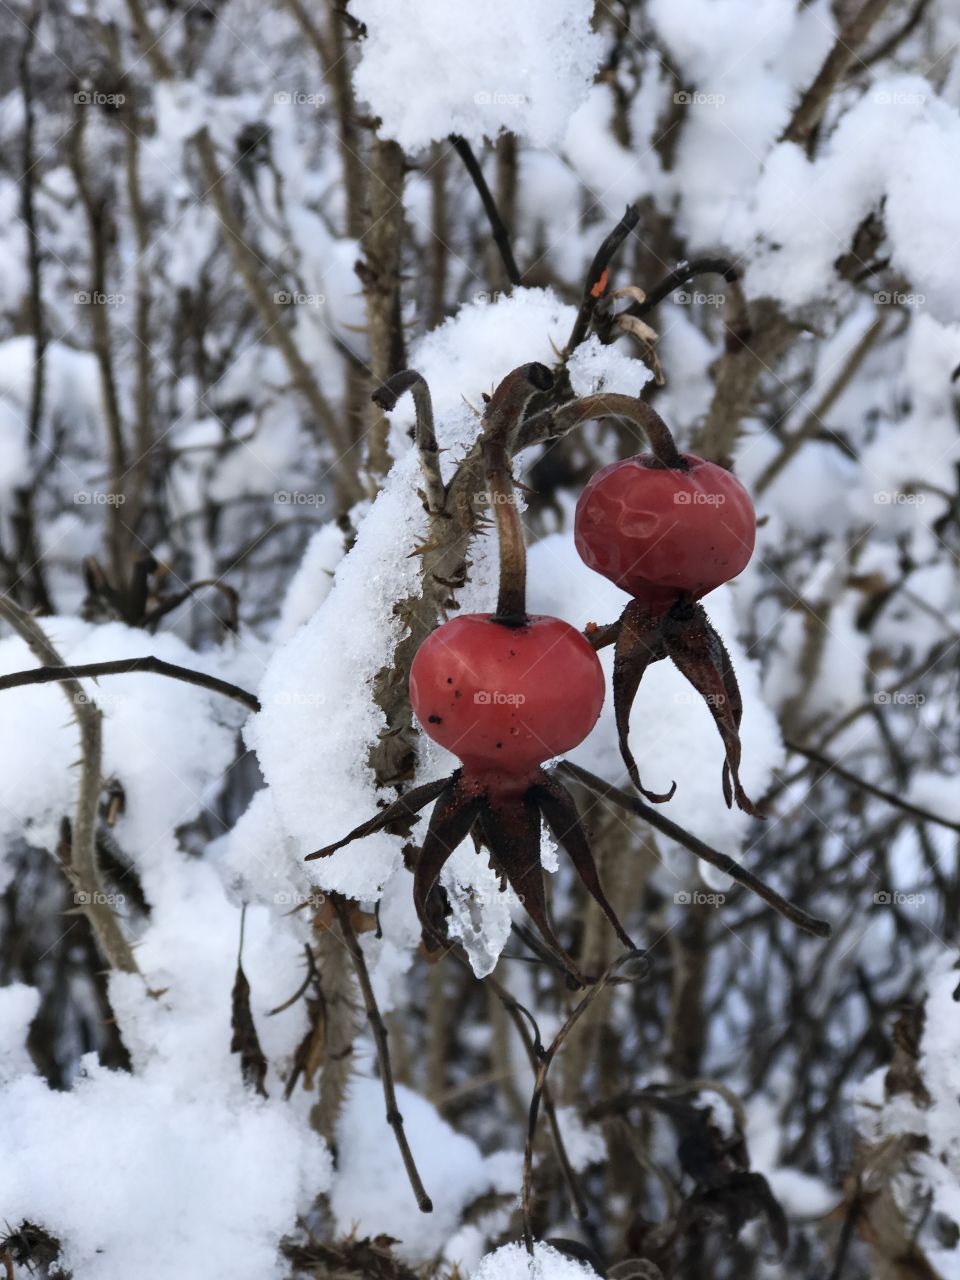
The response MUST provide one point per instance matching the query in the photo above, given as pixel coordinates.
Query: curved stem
(546, 1060)
(386, 397)
(501, 422)
(553, 424)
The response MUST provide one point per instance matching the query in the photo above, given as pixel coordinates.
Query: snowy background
(223, 224)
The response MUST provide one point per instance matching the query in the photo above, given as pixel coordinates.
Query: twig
(380, 273)
(722, 861)
(247, 265)
(64, 674)
(83, 870)
(832, 766)
(520, 1016)
(682, 274)
(890, 45)
(386, 397)
(812, 105)
(394, 1118)
(546, 1059)
(596, 282)
(815, 417)
(501, 236)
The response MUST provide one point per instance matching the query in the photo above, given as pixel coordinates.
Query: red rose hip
(506, 698)
(661, 533)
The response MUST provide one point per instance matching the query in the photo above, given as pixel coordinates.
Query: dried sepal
(560, 814)
(699, 654)
(639, 644)
(405, 809)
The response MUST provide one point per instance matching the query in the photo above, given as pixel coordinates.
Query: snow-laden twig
(83, 870)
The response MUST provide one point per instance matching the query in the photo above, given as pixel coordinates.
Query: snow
(491, 67)
(371, 1193)
(157, 1176)
(512, 1262)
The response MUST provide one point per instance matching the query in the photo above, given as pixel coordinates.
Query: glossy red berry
(661, 533)
(505, 699)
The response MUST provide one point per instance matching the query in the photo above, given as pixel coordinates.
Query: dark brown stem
(552, 424)
(722, 861)
(124, 666)
(394, 1118)
(501, 420)
(501, 236)
(386, 396)
(595, 283)
(831, 766)
(540, 1083)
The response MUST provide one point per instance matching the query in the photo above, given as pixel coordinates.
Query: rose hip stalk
(668, 528)
(505, 692)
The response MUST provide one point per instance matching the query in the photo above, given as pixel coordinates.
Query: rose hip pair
(507, 691)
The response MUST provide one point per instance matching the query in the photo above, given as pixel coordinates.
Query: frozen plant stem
(83, 871)
(722, 861)
(501, 420)
(546, 1057)
(379, 1030)
(386, 397)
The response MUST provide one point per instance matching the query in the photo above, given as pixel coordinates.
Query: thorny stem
(502, 420)
(551, 424)
(394, 1118)
(722, 861)
(83, 870)
(546, 1057)
(386, 396)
